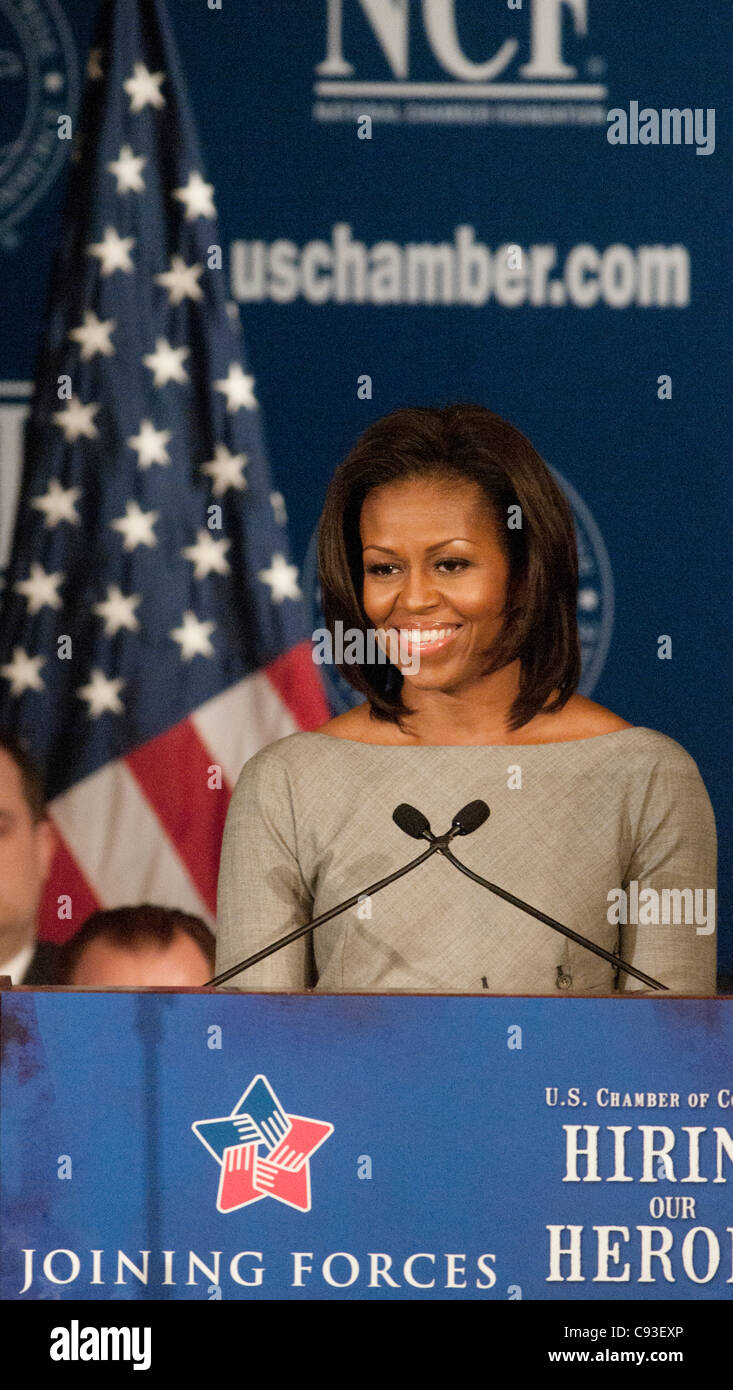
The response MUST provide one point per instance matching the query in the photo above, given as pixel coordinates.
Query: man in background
(27, 843)
(140, 946)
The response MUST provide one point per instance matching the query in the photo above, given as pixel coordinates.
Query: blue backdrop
(483, 117)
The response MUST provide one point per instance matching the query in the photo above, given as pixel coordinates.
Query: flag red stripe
(294, 677)
(65, 878)
(173, 772)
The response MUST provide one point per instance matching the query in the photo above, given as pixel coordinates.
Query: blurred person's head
(137, 947)
(27, 843)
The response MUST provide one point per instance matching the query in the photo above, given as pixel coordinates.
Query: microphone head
(470, 817)
(412, 821)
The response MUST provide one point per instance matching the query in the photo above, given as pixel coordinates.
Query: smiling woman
(450, 519)
(446, 528)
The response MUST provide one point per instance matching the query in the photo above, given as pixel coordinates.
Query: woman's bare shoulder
(583, 718)
(352, 724)
(358, 726)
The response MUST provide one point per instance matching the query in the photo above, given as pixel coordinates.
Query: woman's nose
(419, 591)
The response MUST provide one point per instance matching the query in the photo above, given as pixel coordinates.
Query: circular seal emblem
(595, 590)
(39, 82)
(595, 603)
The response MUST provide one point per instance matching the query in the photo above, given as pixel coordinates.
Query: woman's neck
(479, 714)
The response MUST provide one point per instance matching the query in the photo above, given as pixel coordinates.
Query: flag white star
(136, 527)
(143, 88)
(94, 64)
(77, 419)
(59, 504)
(118, 611)
(282, 579)
(23, 672)
(181, 281)
(207, 554)
(127, 169)
(226, 469)
(40, 589)
(237, 387)
(197, 196)
(102, 694)
(193, 637)
(277, 502)
(150, 444)
(166, 363)
(588, 600)
(113, 251)
(94, 336)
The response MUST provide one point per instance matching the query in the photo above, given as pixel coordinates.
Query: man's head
(140, 946)
(26, 846)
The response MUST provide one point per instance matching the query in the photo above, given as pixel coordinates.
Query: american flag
(153, 634)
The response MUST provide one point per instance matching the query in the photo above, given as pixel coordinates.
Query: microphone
(412, 821)
(464, 823)
(470, 818)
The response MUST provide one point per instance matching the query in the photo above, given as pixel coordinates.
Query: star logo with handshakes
(262, 1151)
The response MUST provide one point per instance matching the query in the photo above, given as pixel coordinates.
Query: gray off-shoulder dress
(310, 824)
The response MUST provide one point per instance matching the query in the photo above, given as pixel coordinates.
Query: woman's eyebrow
(438, 545)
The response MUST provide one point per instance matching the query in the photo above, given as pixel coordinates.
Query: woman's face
(435, 569)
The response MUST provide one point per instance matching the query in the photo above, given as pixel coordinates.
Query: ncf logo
(262, 1151)
(390, 26)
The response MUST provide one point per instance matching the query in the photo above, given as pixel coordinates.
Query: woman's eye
(450, 565)
(453, 565)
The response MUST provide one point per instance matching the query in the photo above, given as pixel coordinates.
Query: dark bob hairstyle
(466, 442)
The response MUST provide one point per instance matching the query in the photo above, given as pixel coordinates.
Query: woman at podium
(449, 575)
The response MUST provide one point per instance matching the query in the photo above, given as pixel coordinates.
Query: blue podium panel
(211, 1145)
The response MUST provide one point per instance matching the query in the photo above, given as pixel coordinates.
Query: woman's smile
(427, 640)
